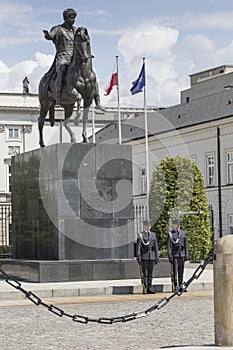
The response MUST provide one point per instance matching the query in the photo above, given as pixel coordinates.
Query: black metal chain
(105, 320)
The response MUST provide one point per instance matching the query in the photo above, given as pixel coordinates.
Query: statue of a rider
(62, 36)
(26, 86)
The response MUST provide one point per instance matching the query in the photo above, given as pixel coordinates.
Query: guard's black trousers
(178, 270)
(147, 270)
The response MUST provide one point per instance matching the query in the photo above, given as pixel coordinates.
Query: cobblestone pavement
(184, 321)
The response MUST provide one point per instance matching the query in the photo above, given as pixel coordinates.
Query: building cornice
(19, 109)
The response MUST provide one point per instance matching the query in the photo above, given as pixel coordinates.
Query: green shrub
(177, 186)
(5, 251)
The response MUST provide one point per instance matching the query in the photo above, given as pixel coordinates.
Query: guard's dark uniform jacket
(177, 247)
(147, 246)
(147, 252)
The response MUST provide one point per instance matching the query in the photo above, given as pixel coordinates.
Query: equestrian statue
(71, 77)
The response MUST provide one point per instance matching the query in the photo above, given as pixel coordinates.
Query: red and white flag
(113, 82)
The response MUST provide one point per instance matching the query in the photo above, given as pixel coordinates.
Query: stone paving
(184, 321)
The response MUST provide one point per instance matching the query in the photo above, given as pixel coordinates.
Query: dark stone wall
(73, 202)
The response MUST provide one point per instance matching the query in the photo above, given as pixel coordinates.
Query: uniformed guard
(177, 247)
(147, 255)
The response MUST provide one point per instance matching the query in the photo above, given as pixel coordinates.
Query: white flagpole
(147, 154)
(118, 102)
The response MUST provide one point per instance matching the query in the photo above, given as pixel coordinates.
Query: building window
(229, 161)
(143, 180)
(230, 223)
(210, 170)
(13, 133)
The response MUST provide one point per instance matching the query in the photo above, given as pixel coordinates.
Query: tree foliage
(177, 186)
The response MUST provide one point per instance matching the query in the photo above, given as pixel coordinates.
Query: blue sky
(177, 38)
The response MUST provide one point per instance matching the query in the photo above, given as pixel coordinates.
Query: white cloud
(221, 20)
(147, 40)
(161, 70)
(11, 77)
(157, 44)
(4, 72)
(224, 55)
(21, 11)
(96, 12)
(197, 50)
(168, 91)
(197, 45)
(3, 67)
(44, 60)
(203, 20)
(169, 62)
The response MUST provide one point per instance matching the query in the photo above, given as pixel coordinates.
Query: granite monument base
(73, 202)
(78, 270)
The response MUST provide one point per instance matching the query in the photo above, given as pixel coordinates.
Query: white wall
(193, 142)
(17, 111)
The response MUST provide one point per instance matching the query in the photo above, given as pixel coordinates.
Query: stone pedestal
(73, 202)
(223, 291)
(78, 270)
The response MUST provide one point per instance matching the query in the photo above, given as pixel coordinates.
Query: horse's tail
(52, 115)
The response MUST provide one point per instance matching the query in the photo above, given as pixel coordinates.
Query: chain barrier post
(223, 291)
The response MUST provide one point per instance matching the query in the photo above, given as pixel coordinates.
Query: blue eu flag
(140, 82)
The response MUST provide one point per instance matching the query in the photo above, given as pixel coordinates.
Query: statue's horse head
(82, 32)
(82, 46)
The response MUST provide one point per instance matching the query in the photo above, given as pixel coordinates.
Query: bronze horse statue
(80, 83)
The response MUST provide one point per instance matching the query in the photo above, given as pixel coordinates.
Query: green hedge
(5, 251)
(178, 185)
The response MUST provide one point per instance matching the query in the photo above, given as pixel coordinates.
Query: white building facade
(201, 146)
(200, 128)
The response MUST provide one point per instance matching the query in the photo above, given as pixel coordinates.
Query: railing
(139, 217)
(5, 230)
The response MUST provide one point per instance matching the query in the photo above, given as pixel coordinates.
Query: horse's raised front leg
(68, 114)
(85, 119)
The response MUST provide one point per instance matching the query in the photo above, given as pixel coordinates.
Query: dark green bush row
(5, 251)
